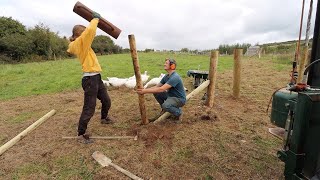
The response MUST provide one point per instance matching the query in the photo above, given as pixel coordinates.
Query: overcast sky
(173, 24)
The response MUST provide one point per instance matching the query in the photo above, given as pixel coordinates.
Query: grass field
(57, 76)
(227, 141)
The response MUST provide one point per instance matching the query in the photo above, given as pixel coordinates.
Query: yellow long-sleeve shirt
(81, 47)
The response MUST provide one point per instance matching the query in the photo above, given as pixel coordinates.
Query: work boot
(107, 120)
(177, 119)
(84, 139)
(156, 117)
(204, 97)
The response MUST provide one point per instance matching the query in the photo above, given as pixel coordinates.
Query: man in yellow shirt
(80, 45)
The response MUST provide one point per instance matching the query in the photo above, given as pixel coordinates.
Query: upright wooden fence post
(237, 72)
(212, 78)
(136, 66)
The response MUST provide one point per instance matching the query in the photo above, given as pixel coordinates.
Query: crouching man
(169, 92)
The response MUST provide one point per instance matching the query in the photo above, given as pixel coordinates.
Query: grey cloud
(172, 24)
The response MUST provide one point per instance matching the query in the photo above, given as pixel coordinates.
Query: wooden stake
(212, 78)
(136, 66)
(237, 72)
(305, 60)
(193, 93)
(302, 64)
(104, 137)
(25, 132)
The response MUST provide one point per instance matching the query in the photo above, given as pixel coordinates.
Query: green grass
(260, 161)
(184, 153)
(76, 167)
(31, 168)
(38, 78)
(57, 76)
(21, 117)
(282, 61)
(64, 168)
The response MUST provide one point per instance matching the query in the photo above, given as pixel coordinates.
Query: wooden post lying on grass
(104, 137)
(212, 78)
(13, 141)
(136, 66)
(237, 72)
(193, 93)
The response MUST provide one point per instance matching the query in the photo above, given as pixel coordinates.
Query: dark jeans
(169, 104)
(93, 88)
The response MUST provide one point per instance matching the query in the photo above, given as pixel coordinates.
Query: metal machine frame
(297, 112)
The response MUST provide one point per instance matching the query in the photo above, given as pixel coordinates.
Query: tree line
(19, 44)
(228, 49)
(223, 49)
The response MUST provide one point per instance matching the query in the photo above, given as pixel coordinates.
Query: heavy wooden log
(104, 25)
(13, 141)
(212, 78)
(189, 96)
(136, 66)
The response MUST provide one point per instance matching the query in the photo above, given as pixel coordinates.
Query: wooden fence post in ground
(136, 66)
(212, 78)
(237, 72)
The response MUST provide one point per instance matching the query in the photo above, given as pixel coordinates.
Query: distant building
(253, 50)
